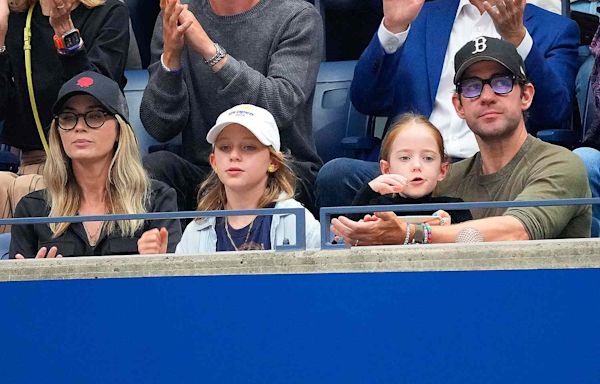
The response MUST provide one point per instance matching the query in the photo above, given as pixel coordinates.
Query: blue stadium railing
(299, 213)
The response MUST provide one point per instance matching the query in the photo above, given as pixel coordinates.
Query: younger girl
(248, 172)
(412, 162)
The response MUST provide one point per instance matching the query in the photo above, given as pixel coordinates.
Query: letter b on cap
(480, 45)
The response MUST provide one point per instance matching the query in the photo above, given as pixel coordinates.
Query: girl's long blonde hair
(23, 5)
(127, 185)
(212, 197)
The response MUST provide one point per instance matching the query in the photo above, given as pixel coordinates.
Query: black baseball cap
(104, 89)
(484, 48)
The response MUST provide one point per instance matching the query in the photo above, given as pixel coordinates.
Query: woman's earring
(271, 168)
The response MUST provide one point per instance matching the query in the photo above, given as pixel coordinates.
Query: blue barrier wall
(534, 326)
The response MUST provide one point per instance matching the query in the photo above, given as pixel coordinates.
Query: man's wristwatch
(2, 49)
(69, 43)
(221, 53)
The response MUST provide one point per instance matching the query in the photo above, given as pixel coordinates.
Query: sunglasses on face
(473, 86)
(68, 120)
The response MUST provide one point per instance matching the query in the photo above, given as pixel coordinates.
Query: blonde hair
(127, 185)
(23, 5)
(212, 197)
(401, 123)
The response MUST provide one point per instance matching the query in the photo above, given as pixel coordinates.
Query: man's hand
(507, 16)
(43, 253)
(154, 242)
(388, 183)
(197, 38)
(4, 12)
(386, 229)
(173, 32)
(60, 16)
(398, 14)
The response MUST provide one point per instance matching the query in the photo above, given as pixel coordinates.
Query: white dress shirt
(459, 141)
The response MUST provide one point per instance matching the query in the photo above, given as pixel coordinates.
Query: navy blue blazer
(407, 81)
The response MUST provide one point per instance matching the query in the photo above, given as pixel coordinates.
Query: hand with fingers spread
(173, 32)
(43, 253)
(388, 183)
(60, 16)
(398, 14)
(507, 16)
(154, 241)
(381, 228)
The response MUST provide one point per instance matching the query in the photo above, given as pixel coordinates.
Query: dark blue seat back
(8, 161)
(134, 90)
(4, 245)
(334, 117)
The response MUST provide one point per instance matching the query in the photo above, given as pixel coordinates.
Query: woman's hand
(441, 218)
(43, 253)
(388, 183)
(4, 12)
(173, 32)
(153, 242)
(60, 16)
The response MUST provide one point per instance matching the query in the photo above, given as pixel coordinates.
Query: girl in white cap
(248, 172)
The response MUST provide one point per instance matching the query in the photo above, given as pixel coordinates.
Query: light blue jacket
(201, 237)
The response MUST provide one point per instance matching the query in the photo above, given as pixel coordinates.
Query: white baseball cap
(257, 120)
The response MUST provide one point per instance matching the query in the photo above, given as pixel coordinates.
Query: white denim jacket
(201, 237)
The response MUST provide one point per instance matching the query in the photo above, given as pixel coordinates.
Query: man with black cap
(408, 67)
(492, 94)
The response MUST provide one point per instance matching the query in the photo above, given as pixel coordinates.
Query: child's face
(239, 159)
(415, 155)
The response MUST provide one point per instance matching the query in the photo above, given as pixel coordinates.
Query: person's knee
(159, 164)
(333, 171)
(591, 160)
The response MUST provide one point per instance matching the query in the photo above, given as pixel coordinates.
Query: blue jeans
(340, 179)
(591, 159)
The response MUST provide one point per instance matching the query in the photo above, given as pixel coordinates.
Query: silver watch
(2, 49)
(221, 53)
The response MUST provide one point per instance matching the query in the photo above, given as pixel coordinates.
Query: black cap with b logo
(485, 48)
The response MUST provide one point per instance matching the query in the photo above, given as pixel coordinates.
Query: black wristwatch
(69, 43)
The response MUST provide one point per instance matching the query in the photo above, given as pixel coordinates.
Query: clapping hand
(60, 16)
(507, 16)
(4, 12)
(398, 14)
(173, 32)
(153, 241)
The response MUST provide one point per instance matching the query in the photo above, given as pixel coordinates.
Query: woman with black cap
(44, 43)
(93, 168)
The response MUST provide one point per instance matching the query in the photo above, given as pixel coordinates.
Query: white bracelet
(407, 238)
(162, 63)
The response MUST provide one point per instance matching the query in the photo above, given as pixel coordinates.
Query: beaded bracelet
(407, 238)
(426, 233)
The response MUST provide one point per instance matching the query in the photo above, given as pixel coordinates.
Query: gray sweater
(275, 49)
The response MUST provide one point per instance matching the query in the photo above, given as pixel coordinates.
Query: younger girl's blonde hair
(23, 5)
(127, 185)
(212, 197)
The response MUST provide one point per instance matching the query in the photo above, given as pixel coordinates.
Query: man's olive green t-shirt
(539, 171)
